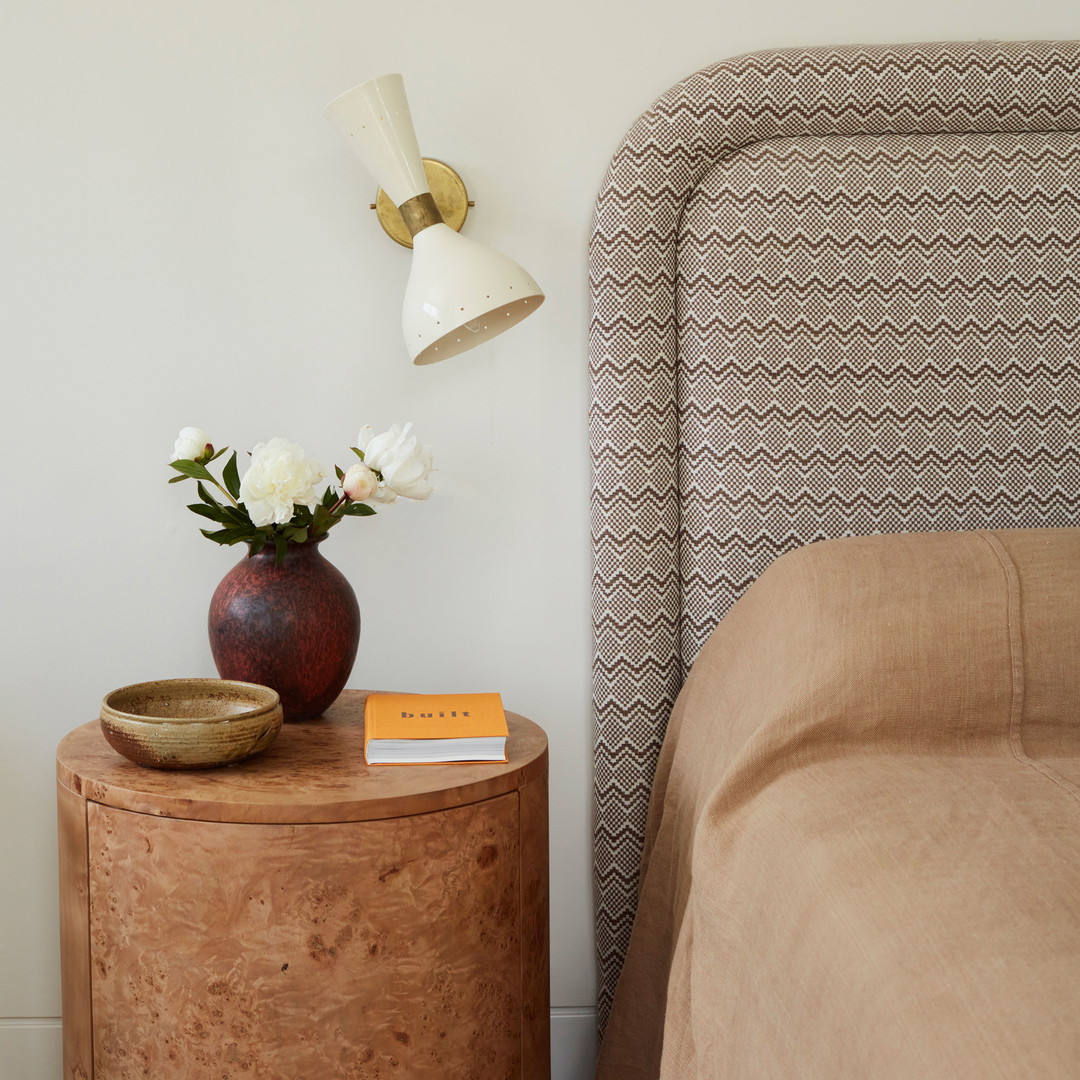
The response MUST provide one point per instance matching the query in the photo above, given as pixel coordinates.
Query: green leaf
(321, 521)
(177, 479)
(330, 495)
(257, 544)
(340, 473)
(237, 517)
(358, 453)
(211, 512)
(216, 455)
(206, 496)
(231, 477)
(228, 536)
(357, 509)
(192, 469)
(297, 536)
(281, 546)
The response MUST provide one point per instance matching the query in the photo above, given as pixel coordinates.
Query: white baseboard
(573, 1044)
(30, 1048)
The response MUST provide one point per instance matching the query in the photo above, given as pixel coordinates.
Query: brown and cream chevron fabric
(834, 292)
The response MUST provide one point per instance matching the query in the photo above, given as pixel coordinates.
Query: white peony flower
(359, 482)
(367, 433)
(279, 479)
(403, 462)
(383, 494)
(191, 444)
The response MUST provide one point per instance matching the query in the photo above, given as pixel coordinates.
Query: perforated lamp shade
(460, 293)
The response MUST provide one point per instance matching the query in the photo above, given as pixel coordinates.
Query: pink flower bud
(359, 482)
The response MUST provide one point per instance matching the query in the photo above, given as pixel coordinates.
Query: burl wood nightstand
(303, 916)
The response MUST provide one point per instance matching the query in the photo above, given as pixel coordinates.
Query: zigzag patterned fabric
(834, 292)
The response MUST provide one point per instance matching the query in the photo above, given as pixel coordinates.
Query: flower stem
(224, 491)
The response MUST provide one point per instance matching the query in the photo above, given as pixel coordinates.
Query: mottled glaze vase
(293, 627)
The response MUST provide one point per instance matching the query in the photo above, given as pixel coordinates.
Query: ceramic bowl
(190, 723)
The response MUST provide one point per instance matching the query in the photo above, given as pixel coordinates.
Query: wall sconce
(460, 293)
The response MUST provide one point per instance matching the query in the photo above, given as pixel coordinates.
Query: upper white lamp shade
(374, 117)
(460, 293)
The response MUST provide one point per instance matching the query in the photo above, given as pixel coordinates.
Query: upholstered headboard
(834, 292)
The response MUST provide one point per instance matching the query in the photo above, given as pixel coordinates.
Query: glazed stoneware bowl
(190, 723)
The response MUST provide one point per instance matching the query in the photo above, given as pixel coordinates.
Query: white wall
(186, 241)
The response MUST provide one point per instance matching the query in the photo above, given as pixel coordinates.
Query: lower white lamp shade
(460, 294)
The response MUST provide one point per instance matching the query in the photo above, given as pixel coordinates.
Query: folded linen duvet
(863, 853)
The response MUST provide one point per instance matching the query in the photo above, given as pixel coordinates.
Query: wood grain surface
(358, 949)
(314, 772)
(302, 915)
(535, 934)
(74, 935)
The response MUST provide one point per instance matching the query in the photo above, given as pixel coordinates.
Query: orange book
(430, 729)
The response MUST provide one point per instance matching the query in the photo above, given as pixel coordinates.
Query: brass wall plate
(448, 190)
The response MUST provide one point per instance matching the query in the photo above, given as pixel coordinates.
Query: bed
(836, 466)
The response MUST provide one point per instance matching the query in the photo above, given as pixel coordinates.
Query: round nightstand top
(314, 772)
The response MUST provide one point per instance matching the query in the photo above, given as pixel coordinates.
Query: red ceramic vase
(293, 627)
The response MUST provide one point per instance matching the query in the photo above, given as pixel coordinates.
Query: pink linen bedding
(863, 851)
